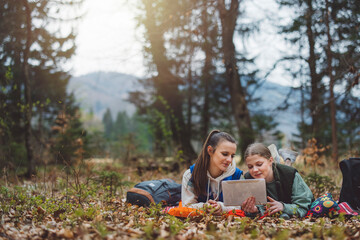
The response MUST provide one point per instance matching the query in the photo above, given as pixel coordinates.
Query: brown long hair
(202, 164)
(257, 149)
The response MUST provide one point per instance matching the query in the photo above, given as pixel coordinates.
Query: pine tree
(167, 99)
(108, 124)
(122, 125)
(327, 31)
(185, 49)
(70, 140)
(229, 14)
(33, 52)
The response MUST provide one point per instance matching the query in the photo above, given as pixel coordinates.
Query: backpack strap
(192, 168)
(235, 176)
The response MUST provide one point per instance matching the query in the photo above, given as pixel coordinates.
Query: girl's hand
(213, 207)
(249, 205)
(275, 206)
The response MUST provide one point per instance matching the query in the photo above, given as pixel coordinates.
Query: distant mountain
(101, 90)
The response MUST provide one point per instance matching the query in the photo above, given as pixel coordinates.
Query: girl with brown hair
(286, 190)
(201, 184)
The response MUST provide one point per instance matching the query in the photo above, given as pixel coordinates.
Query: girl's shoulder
(186, 180)
(284, 173)
(285, 168)
(187, 174)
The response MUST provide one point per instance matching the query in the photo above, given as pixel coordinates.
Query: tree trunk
(28, 112)
(205, 110)
(332, 83)
(302, 112)
(41, 140)
(237, 93)
(16, 128)
(189, 101)
(167, 85)
(315, 78)
(206, 75)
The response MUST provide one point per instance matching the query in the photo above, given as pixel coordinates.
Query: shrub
(319, 184)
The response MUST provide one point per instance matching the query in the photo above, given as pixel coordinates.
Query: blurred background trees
(325, 63)
(327, 43)
(33, 81)
(198, 79)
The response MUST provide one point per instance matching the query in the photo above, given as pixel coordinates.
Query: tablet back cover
(235, 192)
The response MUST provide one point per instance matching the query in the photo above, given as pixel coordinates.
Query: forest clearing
(88, 111)
(88, 201)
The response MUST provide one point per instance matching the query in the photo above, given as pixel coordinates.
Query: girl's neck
(214, 171)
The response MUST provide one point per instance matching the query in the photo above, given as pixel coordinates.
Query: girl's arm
(228, 208)
(189, 199)
(301, 198)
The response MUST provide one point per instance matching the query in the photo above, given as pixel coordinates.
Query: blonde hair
(257, 149)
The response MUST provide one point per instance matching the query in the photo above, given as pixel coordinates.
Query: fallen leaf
(40, 210)
(65, 233)
(130, 224)
(98, 218)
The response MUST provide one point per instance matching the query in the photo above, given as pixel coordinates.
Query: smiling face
(260, 167)
(221, 158)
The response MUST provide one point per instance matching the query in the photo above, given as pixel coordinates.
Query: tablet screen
(235, 192)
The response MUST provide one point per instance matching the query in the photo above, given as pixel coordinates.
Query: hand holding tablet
(237, 191)
(249, 205)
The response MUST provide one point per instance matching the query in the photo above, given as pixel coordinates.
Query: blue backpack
(164, 191)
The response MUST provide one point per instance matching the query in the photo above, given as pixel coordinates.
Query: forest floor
(89, 202)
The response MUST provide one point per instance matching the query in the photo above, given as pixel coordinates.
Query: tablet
(235, 192)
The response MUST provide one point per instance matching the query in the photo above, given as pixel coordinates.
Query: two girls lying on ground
(287, 192)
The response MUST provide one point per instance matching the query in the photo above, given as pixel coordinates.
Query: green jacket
(289, 188)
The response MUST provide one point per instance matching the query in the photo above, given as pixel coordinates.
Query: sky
(108, 40)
